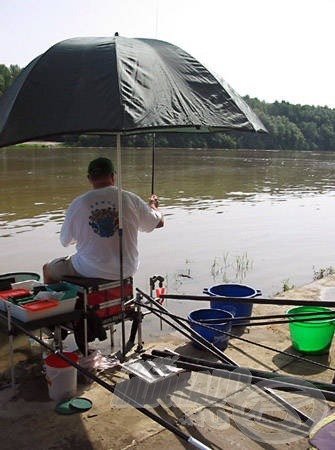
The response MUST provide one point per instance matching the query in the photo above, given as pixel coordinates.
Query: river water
(261, 218)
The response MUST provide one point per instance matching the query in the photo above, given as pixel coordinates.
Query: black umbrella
(119, 86)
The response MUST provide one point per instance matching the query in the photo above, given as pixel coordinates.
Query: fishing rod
(261, 301)
(276, 322)
(185, 330)
(239, 374)
(122, 395)
(233, 320)
(231, 335)
(182, 364)
(255, 372)
(205, 344)
(326, 315)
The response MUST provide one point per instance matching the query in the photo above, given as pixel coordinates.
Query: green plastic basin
(314, 336)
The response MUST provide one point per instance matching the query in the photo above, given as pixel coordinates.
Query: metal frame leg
(111, 332)
(58, 338)
(85, 322)
(139, 329)
(41, 348)
(10, 346)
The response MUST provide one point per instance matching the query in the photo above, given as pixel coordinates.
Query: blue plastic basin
(238, 309)
(216, 319)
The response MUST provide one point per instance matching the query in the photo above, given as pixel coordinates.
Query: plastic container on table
(65, 301)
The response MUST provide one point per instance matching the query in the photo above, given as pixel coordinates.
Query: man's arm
(66, 235)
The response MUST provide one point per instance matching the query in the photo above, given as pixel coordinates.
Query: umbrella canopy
(118, 85)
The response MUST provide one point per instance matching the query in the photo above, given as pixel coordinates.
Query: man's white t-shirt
(92, 223)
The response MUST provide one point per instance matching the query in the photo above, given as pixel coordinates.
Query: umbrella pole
(119, 177)
(153, 163)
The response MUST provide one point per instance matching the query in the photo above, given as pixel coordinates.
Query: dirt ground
(219, 412)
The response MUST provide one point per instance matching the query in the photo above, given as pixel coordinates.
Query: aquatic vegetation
(181, 275)
(287, 285)
(231, 268)
(323, 272)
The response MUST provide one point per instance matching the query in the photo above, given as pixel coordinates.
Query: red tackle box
(109, 300)
(39, 305)
(14, 293)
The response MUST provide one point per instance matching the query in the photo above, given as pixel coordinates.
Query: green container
(68, 289)
(314, 336)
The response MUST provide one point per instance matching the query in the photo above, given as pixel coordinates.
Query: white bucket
(61, 376)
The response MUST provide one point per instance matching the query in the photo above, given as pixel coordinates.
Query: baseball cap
(100, 166)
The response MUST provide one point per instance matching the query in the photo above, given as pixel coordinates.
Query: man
(92, 223)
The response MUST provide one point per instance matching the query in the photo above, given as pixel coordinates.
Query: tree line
(7, 76)
(290, 127)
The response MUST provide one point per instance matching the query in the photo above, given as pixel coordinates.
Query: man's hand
(153, 201)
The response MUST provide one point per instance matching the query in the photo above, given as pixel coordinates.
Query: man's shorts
(60, 267)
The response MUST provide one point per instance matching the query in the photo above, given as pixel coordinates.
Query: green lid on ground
(81, 403)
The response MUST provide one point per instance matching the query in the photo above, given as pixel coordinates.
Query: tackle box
(54, 300)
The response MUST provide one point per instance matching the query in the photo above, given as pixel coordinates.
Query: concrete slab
(219, 412)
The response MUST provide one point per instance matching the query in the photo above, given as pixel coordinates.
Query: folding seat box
(107, 302)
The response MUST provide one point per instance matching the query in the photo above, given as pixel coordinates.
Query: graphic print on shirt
(104, 218)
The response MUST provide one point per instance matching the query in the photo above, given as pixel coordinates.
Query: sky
(275, 50)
